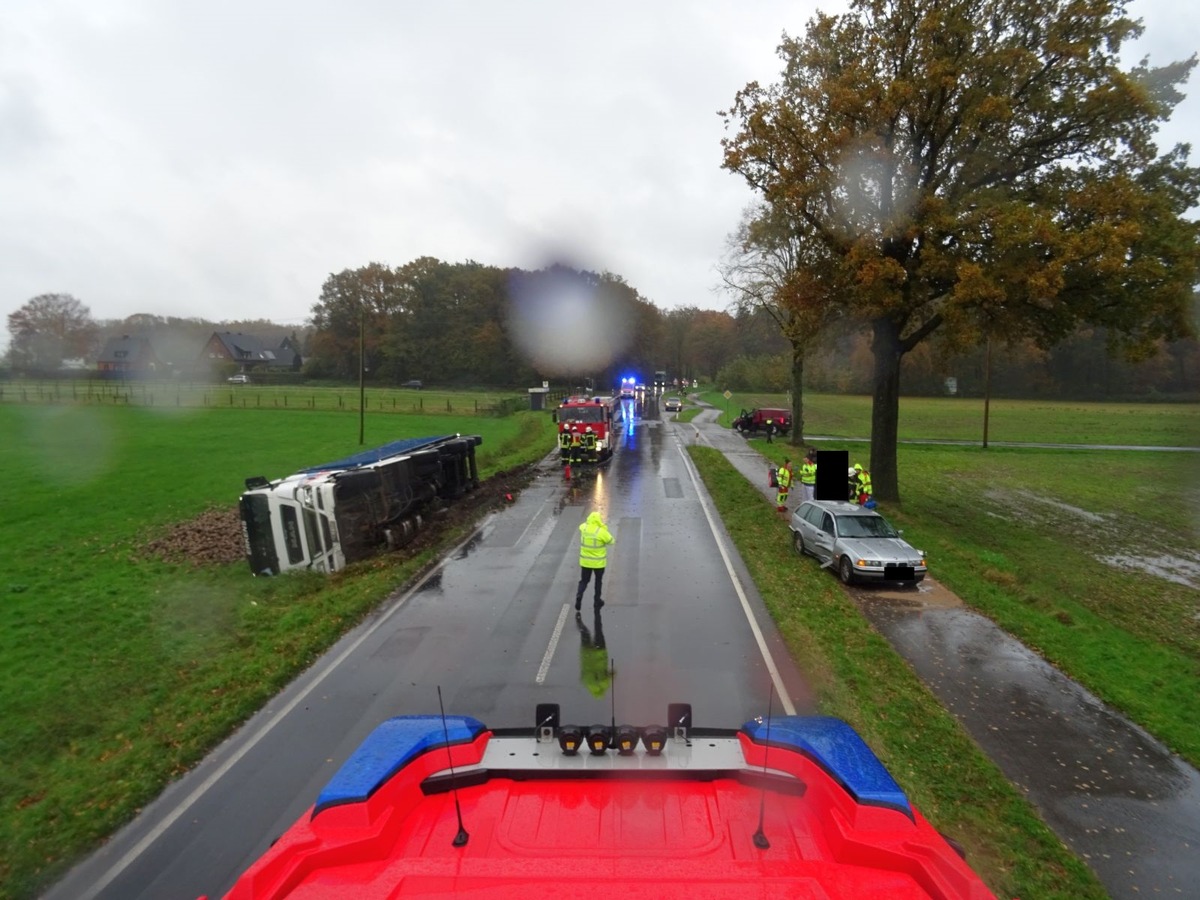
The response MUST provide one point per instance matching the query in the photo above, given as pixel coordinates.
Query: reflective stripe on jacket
(808, 473)
(594, 539)
(784, 478)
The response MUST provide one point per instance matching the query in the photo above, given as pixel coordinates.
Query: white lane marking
(553, 645)
(155, 833)
(769, 660)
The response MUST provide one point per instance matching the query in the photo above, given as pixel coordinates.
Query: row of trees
(1079, 368)
(974, 169)
(460, 334)
(471, 323)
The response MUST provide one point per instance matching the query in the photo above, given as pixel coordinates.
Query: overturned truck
(324, 517)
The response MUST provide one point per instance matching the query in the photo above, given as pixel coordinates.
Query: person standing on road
(576, 452)
(783, 479)
(594, 538)
(808, 475)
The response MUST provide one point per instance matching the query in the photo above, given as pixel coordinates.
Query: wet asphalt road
(495, 628)
(1117, 796)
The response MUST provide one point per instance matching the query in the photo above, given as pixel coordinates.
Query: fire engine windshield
(581, 414)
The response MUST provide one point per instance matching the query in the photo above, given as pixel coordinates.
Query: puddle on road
(929, 594)
(1108, 788)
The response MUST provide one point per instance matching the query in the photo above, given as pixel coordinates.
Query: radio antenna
(612, 681)
(760, 839)
(462, 837)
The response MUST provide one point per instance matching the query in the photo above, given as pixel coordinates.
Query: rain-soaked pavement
(1117, 796)
(494, 628)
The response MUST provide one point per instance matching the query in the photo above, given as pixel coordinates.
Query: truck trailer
(325, 517)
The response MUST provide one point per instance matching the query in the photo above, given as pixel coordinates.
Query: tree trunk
(797, 439)
(885, 409)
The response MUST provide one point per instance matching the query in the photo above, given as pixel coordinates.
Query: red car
(776, 421)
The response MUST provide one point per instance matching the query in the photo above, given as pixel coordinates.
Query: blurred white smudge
(565, 322)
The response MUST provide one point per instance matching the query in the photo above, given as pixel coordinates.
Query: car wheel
(741, 429)
(798, 543)
(846, 570)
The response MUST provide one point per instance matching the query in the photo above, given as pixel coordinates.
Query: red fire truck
(575, 415)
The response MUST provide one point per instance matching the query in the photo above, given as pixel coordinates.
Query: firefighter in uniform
(589, 443)
(783, 481)
(576, 449)
(564, 443)
(808, 475)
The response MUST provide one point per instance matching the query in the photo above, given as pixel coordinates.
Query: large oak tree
(976, 166)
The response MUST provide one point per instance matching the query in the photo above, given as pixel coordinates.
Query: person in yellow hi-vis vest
(783, 482)
(808, 475)
(862, 485)
(594, 539)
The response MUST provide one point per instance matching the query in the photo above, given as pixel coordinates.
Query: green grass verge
(1060, 548)
(118, 672)
(859, 678)
(946, 418)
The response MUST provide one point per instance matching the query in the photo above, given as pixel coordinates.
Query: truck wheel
(798, 543)
(846, 570)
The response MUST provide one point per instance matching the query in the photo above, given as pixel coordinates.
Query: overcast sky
(219, 159)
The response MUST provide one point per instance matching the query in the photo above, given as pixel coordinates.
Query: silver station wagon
(859, 543)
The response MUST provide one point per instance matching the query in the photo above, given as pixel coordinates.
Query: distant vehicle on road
(673, 404)
(858, 543)
(238, 379)
(415, 384)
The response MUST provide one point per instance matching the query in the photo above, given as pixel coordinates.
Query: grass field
(936, 418)
(117, 671)
(858, 678)
(1089, 557)
(205, 395)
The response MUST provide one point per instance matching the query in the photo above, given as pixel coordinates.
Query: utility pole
(987, 385)
(363, 371)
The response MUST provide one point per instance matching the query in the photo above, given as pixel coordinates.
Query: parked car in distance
(415, 384)
(858, 543)
(776, 421)
(673, 404)
(238, 379)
